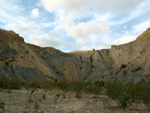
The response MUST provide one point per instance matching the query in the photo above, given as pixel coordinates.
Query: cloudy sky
(71, 25)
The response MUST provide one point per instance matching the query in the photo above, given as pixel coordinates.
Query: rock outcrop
(129, 62)
(70, 71)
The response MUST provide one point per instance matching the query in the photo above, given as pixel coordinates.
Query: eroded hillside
(29, 62)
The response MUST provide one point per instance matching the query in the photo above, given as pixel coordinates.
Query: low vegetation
(83, 52)
(12, 83)
(125, 93)
(2, 106)
(123, 66)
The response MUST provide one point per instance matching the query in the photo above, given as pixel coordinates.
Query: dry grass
(82, 52)
(145, 33)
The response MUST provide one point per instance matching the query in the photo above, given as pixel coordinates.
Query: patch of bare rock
(126, 62)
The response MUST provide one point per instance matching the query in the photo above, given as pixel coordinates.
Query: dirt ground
(56, 101)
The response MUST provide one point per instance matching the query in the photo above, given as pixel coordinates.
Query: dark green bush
(135, 91)
(139, 92)
(93, 90)
(123, 66)
(124, 101)
(63, 85)
(146, 96)
(99, 83)
(2, 106)
(114, 88)
(78, 86)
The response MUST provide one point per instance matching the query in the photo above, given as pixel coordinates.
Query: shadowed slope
(27, 61)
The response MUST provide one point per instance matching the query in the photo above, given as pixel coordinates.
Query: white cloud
(35, 13)
(115, 6)
(68, 5)
(102, 45)
(124, 39)
(100, 10)
(7, 4)
(81, 6)
(52, 39)
(9, 10)
(140, 9)
(88, 23)
(139, 28)
(83, 31)
(22, 28)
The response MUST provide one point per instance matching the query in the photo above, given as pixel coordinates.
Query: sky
(73, 25)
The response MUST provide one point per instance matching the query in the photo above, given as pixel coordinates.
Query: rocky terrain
(57, 101)
(128, 62)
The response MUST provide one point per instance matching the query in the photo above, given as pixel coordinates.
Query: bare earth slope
(29, 62)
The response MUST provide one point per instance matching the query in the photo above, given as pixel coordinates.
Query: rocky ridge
(129, 62)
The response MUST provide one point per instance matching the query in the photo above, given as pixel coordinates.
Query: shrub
(123, 66)
(93, 50)
(2, 106)
(10, 83)
(146, 93)
(44, 96)
(63, 85)
(49, 84)
(36, 107)
(93, 88)
(146, 96)
(99, 83)
(15, 83)
(35, 84)
(114, 88)
(78, 86)
(137, 91)
(124, 101)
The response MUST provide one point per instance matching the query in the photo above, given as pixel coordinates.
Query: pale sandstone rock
(70, 71)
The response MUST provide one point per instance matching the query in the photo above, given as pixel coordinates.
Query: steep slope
(29, 62)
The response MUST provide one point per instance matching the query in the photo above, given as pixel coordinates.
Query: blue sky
(72, 25)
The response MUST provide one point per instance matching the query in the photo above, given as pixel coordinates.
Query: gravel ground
(56, 101)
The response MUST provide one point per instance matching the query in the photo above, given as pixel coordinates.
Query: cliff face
(29, 62)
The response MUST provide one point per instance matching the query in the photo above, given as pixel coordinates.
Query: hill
(129, 62)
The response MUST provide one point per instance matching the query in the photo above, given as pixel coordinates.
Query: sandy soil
(56, 101)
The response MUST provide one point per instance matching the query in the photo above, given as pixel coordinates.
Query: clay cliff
(129, 62)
